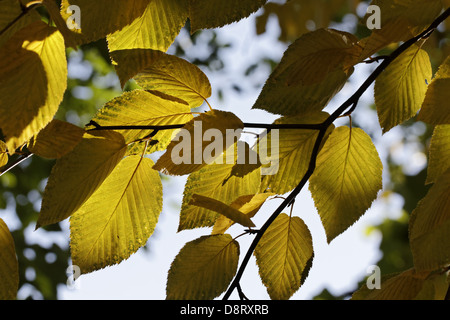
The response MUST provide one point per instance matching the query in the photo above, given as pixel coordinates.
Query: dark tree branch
(296, 126)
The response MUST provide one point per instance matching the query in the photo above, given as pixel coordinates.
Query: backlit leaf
(214, 181)
(294, 153)
(102, 17)
(313, 69)
(203, 140)
(217, 13)
(221, 208)
(9, 269)
(76, 176)
(408, 285)
(248, 205)
(141, 108)
(155, 29)
(34, 57)
(128, 63)
(346, 180)
(400, 20)
(56, 139)
(400, 89)
(284, 256)
(176, 77)
(439, 158)
(429, 229)
(3, 154)
(435, 108)
(203, 268)
(119, 217)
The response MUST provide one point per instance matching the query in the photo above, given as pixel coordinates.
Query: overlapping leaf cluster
(111, 191)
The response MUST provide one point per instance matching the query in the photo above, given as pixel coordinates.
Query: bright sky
(337, 266)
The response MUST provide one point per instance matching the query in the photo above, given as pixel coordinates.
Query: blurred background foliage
(92, 82)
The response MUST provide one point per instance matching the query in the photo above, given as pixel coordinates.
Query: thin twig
(11, 165)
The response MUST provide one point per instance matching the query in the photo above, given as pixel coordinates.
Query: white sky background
(337, 266)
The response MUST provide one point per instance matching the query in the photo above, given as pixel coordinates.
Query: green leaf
(313, 69)
(178, 78)
(119, 217)
(155, 29)
(408, 285)
(439, 153)
(435, 106)
(346, 180)
(203, 268)
(9, 268)
(102, 17)
(284, 256)
(141, 108)
(217, 13)
(429, 227)
(221, 208)
(214, 181)
(56, 139)
(197, 148)
(34, 58)
(76, 176)
(400, 89)
(294, 153)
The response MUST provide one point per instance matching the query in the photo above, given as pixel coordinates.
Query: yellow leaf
(119, 217)
(128, 63)
(435, 106)
(391, 32)
(76, 176)
(400, 20)
(176, 77)
(34, 57)
(141, 108)
(9, 268)
(203, 268)
(294, 153)
(3, 154)
(429, 229)
(248, 205)
(214, 181)
(408, 285)
(56, 139)
(284, 256)
(221, 208)
(439, 153)
(102, 17)
(400, 89)
(217, 13)
(155, 29)
(313, 69)
(418, 13)
(203, 140)
(346, 180)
